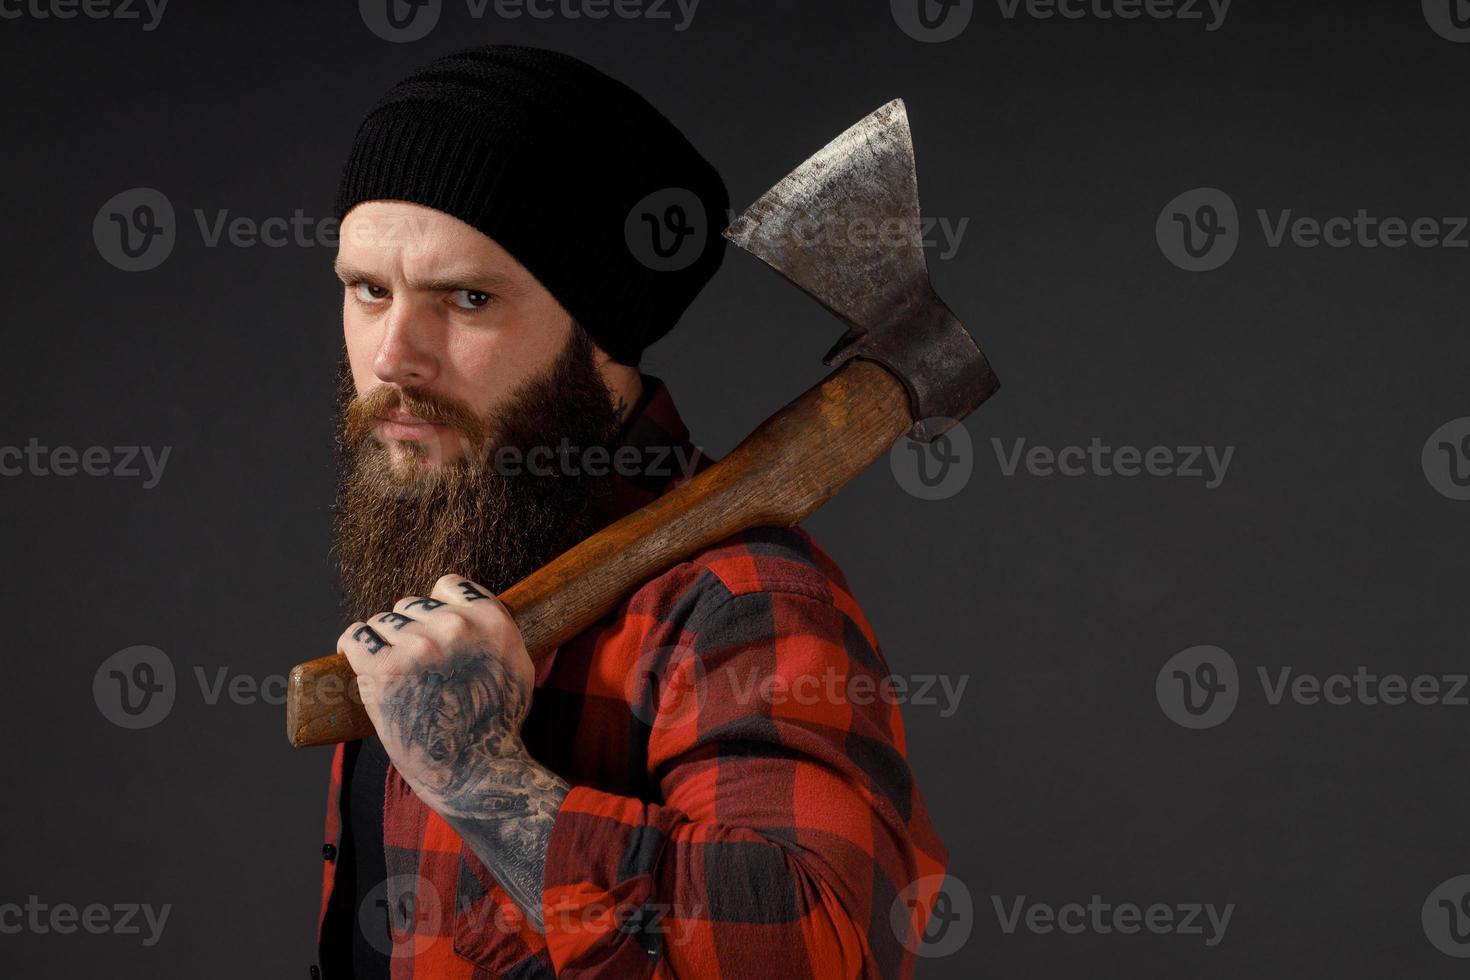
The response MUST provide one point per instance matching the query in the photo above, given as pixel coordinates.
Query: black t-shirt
(355, 937)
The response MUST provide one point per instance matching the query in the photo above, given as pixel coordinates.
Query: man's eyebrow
(349, 273)
(467, 279)
(489, 282)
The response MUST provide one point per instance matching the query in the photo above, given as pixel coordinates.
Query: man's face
(455, 351)
(434, 308)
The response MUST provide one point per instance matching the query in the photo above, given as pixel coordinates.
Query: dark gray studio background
(1332, 832)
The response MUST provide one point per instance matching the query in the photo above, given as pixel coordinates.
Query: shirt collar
(651, 454)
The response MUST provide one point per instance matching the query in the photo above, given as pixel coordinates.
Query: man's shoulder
(756, 561)
(772, 559)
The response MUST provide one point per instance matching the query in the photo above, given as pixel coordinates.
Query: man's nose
(405, 355)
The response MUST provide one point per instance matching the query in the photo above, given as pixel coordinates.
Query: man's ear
(624, 381)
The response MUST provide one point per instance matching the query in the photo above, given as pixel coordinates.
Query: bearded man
(688, 788)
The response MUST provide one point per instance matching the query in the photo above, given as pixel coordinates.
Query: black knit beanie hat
(572, 172)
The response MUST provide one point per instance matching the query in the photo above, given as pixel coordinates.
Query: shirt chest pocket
(490, 930)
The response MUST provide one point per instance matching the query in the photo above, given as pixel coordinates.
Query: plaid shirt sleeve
(787, 824)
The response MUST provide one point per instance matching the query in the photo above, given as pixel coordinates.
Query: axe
(845, 228)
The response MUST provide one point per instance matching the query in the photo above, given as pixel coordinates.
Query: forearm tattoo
(502, 803)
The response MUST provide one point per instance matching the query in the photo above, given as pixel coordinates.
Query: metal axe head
(845, 228)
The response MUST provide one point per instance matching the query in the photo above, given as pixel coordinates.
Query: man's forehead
(420, 243)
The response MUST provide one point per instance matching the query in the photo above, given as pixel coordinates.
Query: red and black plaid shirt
(741, 805)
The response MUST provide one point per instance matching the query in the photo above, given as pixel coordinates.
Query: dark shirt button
(329, 852)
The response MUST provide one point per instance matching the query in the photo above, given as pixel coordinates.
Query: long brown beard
(398, 529)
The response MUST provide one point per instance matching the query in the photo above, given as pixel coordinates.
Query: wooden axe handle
(783, 471)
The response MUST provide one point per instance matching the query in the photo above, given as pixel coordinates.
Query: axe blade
(845, 228)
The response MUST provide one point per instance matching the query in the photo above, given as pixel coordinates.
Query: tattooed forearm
(507, 821)
(465, 717)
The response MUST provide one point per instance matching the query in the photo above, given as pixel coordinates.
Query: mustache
(364, 412)
(398, 532)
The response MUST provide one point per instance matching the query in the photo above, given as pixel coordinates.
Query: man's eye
(470, 299)
(368, 293)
